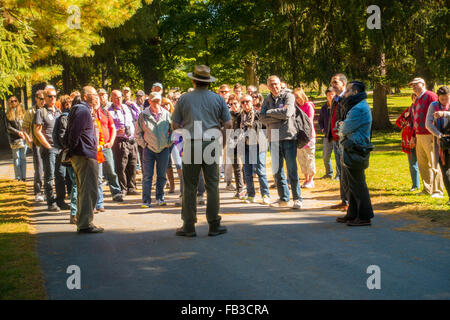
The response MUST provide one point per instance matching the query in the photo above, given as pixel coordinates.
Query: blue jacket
(82, 138)
(358, 124)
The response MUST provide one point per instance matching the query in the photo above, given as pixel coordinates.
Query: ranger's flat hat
(201, 73)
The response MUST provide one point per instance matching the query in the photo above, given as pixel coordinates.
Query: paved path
(267, 254)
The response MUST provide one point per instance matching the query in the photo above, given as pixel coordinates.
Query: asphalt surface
(267, 254)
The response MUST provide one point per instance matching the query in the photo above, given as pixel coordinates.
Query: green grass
(20, 273)
(389, 182)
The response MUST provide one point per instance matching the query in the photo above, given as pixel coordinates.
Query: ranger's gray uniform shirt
(201, 105)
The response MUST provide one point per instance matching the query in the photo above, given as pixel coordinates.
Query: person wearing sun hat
(210, 110)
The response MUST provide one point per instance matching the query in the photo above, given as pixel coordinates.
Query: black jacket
(13, 127)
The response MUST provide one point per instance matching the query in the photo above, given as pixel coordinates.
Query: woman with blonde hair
(306, 156)
(18, 138)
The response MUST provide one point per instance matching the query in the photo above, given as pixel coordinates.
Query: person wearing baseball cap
(140, 99)
(153, 132)
(157, 87)
(204, 107)
(428, 166)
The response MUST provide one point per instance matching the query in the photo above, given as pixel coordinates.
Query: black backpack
(303, 126)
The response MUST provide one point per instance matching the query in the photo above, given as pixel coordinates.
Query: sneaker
(91, 230)
(358, 223)
(273, 186)
(279, 204)
(297, 204)
(308, 185)
(437, 195)
(250, 200)
(266, 199)
(336, 178)
(64, 206)
(118, 197)
(132, 193)
(53, 208)
(200, 200)
(413, 189)
(240, 195)
(230, 187)
(161, 203)
(145, 205)
(38, 198)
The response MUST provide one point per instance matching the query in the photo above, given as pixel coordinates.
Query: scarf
(247, 120)
(351, 101)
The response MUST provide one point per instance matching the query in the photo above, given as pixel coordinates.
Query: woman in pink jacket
(307, 155)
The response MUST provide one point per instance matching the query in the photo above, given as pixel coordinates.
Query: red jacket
(408, 136)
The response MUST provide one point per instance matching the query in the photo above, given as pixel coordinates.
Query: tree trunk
(251, 76)
(380, 109)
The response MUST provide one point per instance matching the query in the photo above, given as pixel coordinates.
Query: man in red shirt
(428, 166)
(109, 133)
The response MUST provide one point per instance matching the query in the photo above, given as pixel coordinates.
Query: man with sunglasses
(43, 129)
(37, 160)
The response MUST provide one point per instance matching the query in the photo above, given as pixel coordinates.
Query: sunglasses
(39, 98)
(224, 91)
(13, 100)
(51, 96)
(245, 101)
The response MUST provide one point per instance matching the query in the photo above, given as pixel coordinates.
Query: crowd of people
(87, 139)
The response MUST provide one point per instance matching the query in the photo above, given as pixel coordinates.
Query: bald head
(116, 98)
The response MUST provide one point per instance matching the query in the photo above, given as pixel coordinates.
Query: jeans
(38, 170)
(162, 162)
(414, 169)
(100, 202)
(342, 181)
(109, 172)
(20, 163)
(287, 150)
(73, 192)
(337, 157)
(250, 167)
(50, 174)
(326, 156)
(191, 173)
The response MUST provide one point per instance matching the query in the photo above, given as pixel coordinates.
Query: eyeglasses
(51, 96)
(234, 103)
(39, 98)
(224, 91)
(245, 101)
